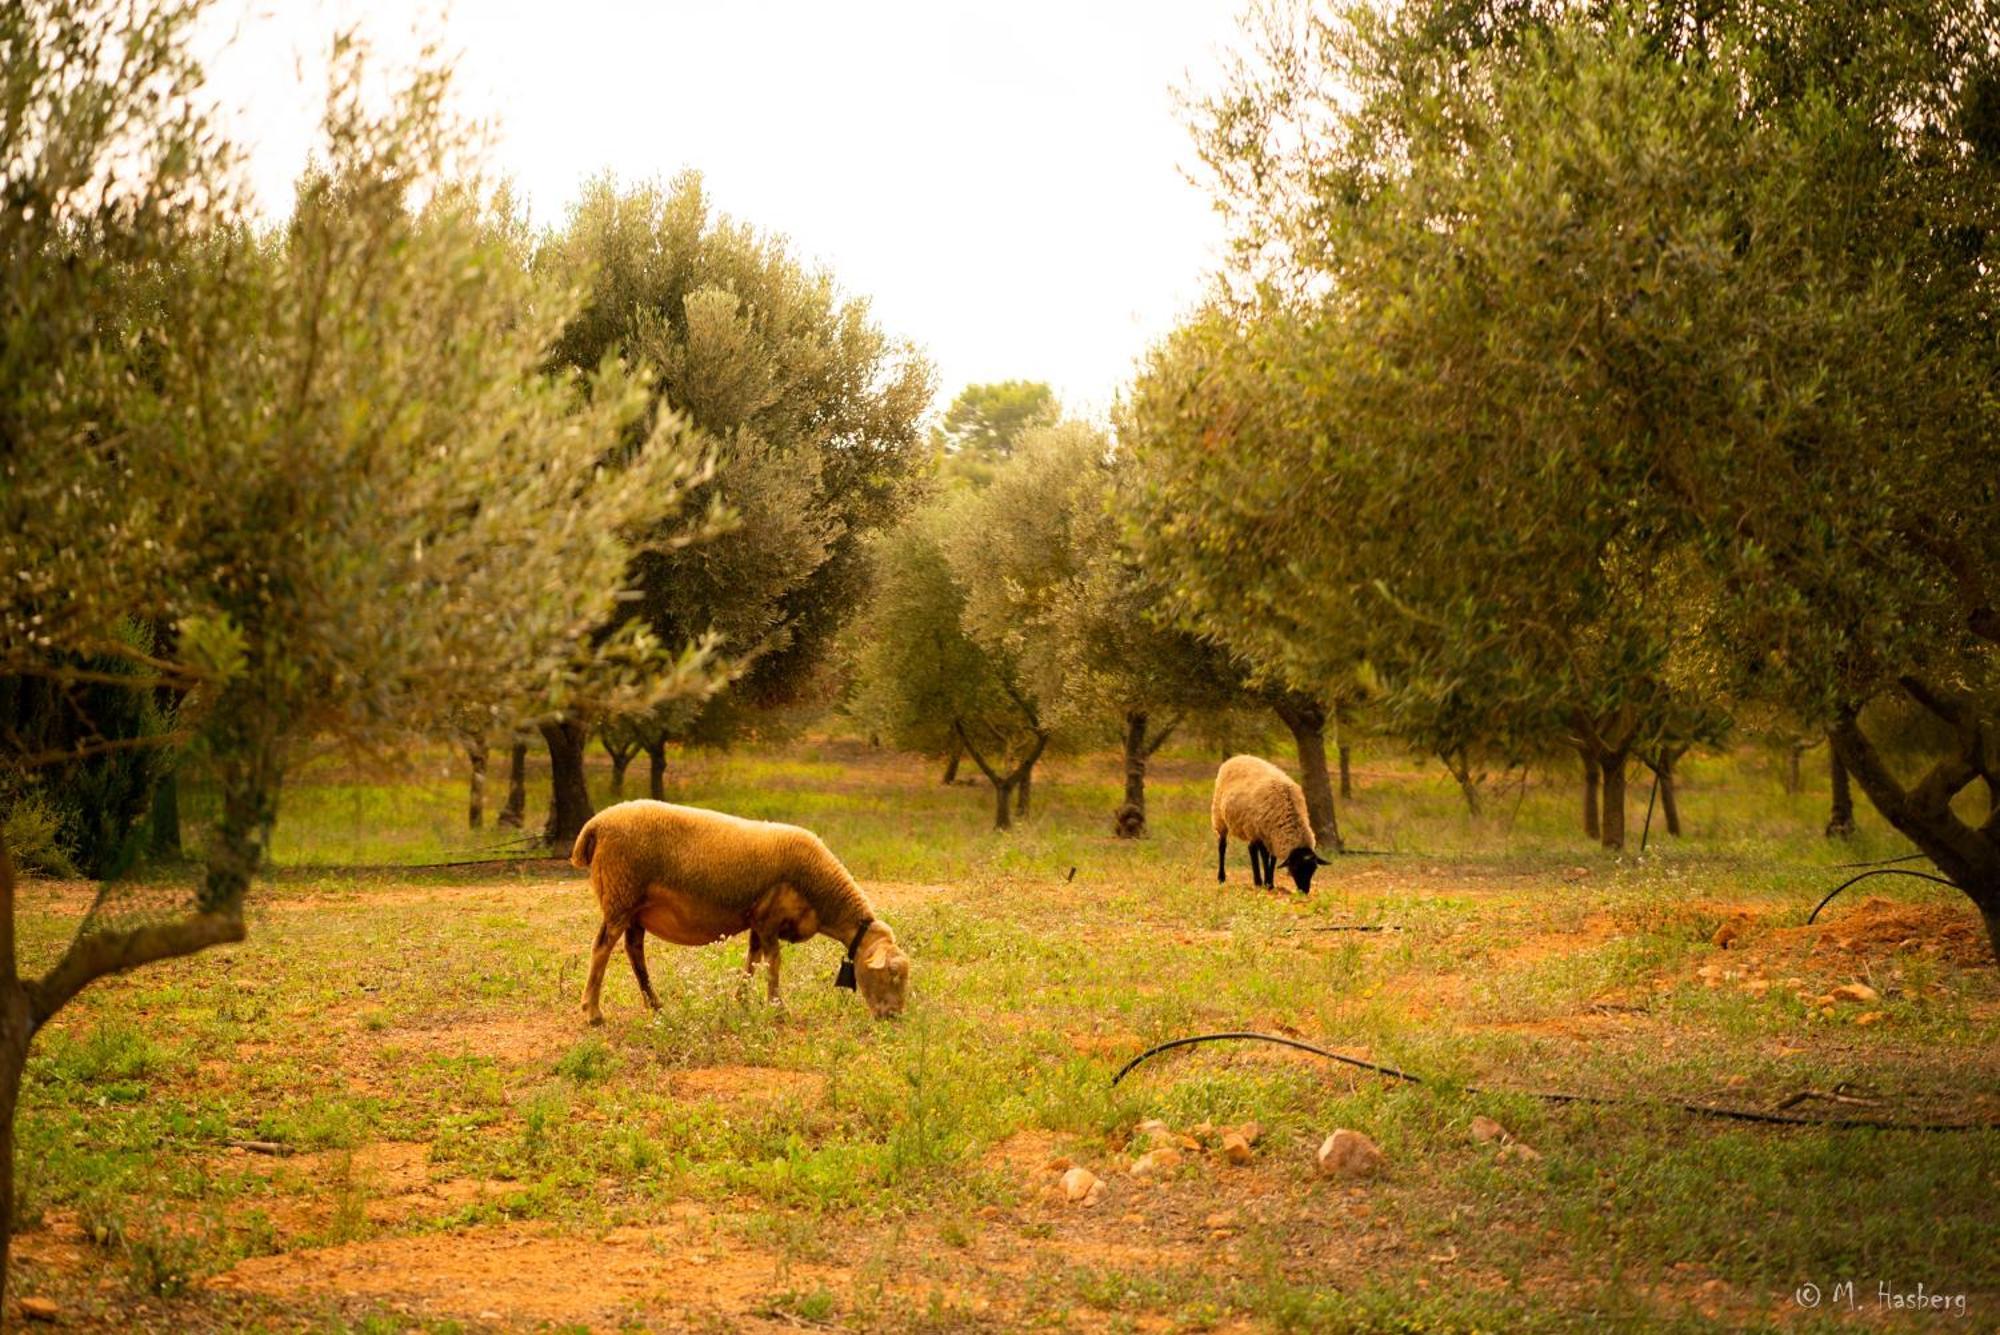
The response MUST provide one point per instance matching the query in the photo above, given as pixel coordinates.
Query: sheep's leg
(771, 974)
(1222, 857)
(635, 951)
(600, 956)
(1258, 875)
(750, 958)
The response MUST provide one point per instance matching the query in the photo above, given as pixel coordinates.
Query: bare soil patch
(531, 1273)
(515, 1038)
(752, 1084)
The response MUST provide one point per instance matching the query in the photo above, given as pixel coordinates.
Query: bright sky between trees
(1004, 182)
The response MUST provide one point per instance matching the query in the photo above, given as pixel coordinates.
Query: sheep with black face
(1258, 803)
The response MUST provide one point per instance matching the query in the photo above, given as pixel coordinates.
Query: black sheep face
(1302, 863)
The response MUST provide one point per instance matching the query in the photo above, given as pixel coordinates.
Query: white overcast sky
(1003, 181)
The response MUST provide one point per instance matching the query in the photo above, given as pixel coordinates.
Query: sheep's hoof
(595, 1021)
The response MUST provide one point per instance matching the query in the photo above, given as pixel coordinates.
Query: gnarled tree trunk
(1968, 856)
(1590, 800)
(165, 820)
(475, 801)
(516, 809)
(1305, 717)
(656, 770)
(951, 760)
(1840, 818)
(621, 754)
(1468, 783)
(1130, 819)
(1006, 787)
(1611, 828)
(570, 808)
(1670, 807)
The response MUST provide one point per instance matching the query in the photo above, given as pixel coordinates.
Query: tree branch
(93, 955)
(85, 750)
(1160, 739)
(973, 751)
(1034, 719)
(1956, 848)
(1956, 711)
(1022, 769)
(1982, 618)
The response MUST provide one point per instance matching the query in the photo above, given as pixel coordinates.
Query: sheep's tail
(586, 845)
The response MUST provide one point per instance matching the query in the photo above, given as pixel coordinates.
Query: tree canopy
(1539, 311)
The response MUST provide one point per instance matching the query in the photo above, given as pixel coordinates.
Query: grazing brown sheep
(1258, 802)
(693, 877)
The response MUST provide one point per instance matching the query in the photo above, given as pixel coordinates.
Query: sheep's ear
(1321, 861)
(879, 960)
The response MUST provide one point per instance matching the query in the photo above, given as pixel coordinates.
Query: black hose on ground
(1559, 1096)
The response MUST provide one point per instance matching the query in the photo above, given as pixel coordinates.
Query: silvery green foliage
(325, 457)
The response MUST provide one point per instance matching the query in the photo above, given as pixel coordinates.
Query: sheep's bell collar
(845, 978)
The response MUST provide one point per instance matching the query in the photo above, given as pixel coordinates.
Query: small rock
(1870, 1017)
(1078, 1183)
(1158, 1132)
(1250, 1131)
(1235, 1148)
(1726, 935)
(1060, 1164)
(1823, 999)
(1156, 1163)
(40, 1309)
(1485, 1129)
(1517, 1152)
(1350, 1154)
(1736, 1082)
(1221, 1219)
(1859, 993)
(1757, 987)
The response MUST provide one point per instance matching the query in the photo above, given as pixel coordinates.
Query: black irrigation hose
(1881, 862)
(1879, 871)
(1559, 1096)
(1265, 1038)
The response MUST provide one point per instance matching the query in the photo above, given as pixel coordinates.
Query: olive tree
(1570, 290)
(814, 411)
(925, 681)
(1049, 579)
(326, 454)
